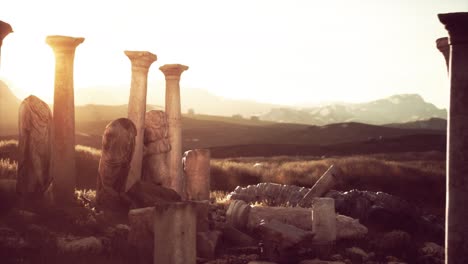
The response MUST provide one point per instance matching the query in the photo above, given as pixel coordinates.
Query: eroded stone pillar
(197, 174)
(118, 144)
(157, 146)
(457, 145)
(172, 73)
(444, 47)
(141, 62)
(175, 233)
(34, 182)
(324, 221)
(63, 167)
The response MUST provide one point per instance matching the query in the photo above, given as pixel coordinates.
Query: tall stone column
(172, 73)
(141, 62)
(63, 167)
(457, 145)
(444, 47)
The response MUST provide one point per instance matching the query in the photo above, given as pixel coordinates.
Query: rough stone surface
(282, 241)
(172, 73)
(175, 233)
(73, 245)
(141, 62)
(63, 165)
(237, 237)
(296, 216)
(197, 174)
(324, 220)
(356, 254)
(349, 228)
(202, 210)
(145, 194)
(155, 167)
(141, 234)
(206, 243)
(118, 143)
(271, 194)
(237, 214)
(34, 181)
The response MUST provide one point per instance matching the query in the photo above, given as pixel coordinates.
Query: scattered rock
(73, 245)
(396, 242)
(356, 254)
(206, 244)
(349, 228)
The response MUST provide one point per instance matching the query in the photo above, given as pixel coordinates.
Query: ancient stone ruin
(34, 181)
(197, 174)
(457, 154)
(118, 145)
(63, 167)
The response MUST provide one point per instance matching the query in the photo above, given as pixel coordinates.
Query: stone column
(141, 62)
(197, 174)
(172, 73)
(63, 168)
(457, 145)
(175, 233)
(444, 47)
(324, 221)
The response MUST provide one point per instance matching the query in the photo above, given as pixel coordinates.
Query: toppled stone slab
(349, 228)
(238, 238)
(282, 241)
(238, 213)
(296, 216)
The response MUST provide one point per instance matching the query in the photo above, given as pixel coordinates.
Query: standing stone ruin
(34, 182)
(155, 167)
(457, 145)
(197, 174)
(63, 167)
(172, 73)
(141, 62)
(118, 144)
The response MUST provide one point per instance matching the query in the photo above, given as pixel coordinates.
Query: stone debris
(237, 237)
(147, 193)
(349, 228)
(356, 254)
(281, 242)
(271, 194)
(238, 214)
(207, 243)
(318, 261)
(74, 245)
(324, 221)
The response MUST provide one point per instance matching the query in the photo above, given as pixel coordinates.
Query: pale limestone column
(324, 221)
(175, 228)
(197, 174)
(141, 62)
(172, 73)
(457, 146)
(444, 47)
(63, 167)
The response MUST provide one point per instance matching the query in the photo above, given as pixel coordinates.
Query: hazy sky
(285, 52)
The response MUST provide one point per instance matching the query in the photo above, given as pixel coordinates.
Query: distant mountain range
(395, 109)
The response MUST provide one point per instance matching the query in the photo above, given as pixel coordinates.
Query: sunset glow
(284, 52)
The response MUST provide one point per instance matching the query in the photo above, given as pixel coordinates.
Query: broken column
(34, 182)
(196, 165)
(444, 47)
(5, 29)
(457, 145)
(172, 74)
(155, 167)
(63, 167)
(118, 144)
(324, 184)
(324, 221)
(175, 233)
(141, 62)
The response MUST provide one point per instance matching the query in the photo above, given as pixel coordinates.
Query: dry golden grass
(414, 176)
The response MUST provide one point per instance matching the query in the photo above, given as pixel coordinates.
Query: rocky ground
(396, 232)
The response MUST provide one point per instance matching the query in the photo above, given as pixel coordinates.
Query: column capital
(442, 44)
(141, 59)
(457, 27)
(5, 29)
(63, 43)
(173, 71)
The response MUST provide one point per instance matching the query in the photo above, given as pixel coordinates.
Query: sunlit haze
(284, 52)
